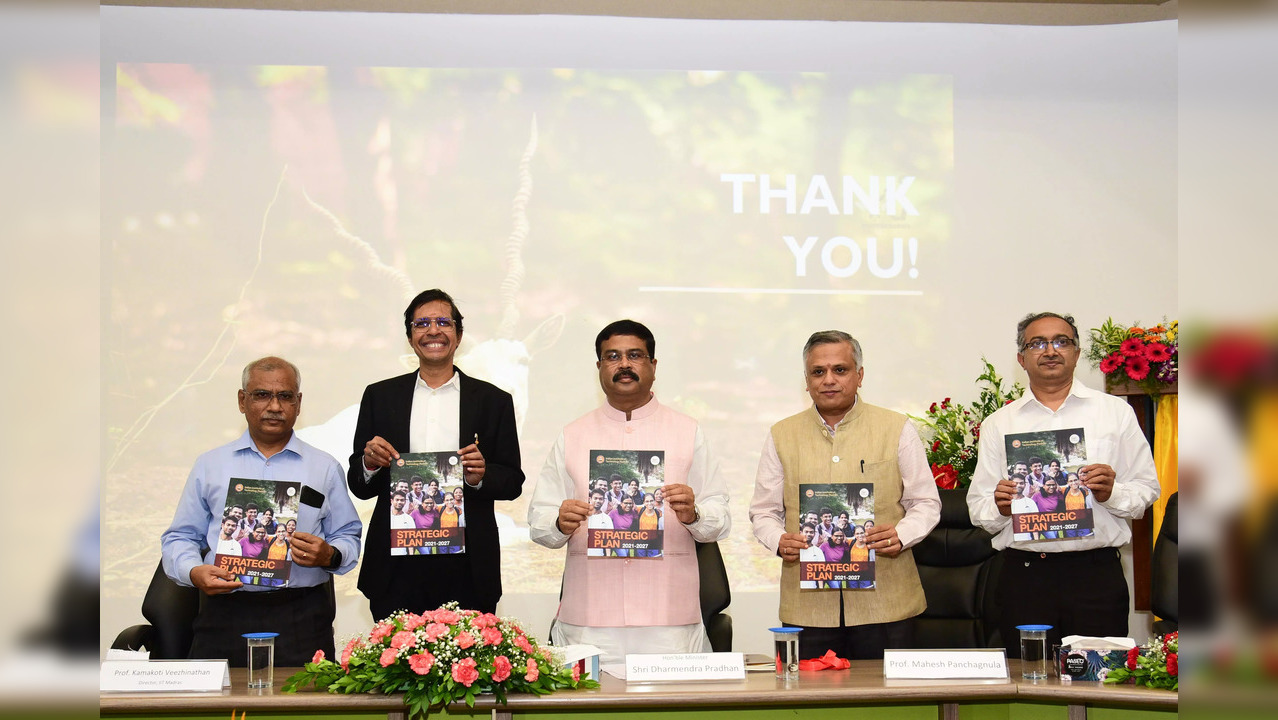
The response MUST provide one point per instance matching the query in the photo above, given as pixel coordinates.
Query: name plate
(686, 667)
(164, 676)
(937, 664)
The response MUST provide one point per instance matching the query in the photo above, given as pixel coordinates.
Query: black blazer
(486, 410)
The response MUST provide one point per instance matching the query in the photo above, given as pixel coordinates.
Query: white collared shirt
(435, 422)
(1113, 438)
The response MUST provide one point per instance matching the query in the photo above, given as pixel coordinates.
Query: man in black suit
(436, 409)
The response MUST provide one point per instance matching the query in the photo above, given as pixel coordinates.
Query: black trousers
(302, 616)
(404, 596)
(855, 642)
(1077, 593)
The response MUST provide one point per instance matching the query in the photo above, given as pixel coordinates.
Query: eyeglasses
(263, 397)
(1040, 344)
(422, 323)
(613, 357)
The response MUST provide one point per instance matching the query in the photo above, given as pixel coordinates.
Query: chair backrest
(1165, 569)
(716, 596)
(959, 569)
(171, 610)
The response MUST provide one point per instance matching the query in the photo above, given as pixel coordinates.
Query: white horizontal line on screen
(771, 291)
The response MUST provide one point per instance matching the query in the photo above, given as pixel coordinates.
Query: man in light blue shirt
(327, 540)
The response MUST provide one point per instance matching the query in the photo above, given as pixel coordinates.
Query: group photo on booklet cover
(834, 519)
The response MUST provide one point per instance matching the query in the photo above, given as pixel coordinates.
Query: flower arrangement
(440, 657)
(1149, 357)
(1154, 664)
(951, 431)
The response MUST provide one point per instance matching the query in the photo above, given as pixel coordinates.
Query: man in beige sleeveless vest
(841, 439)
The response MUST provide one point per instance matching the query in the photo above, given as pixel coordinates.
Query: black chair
(1164, 571)
(171, 609)
(959, 569)
(716, 596)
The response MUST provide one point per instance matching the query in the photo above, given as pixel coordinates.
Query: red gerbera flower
(1137, 368)
(1157, 352)
(1111, 362)
(1132, 347)
(1173, 664)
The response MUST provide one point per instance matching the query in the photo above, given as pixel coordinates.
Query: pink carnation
(421, 663)
(576, 672)
(381, 631)
(447, 617)
(413, 621)
(319, 656)
(491, 636)
(346, 652)
(434, 631)
(388, 657)
(403, 639)
(501, 668)
(465, 639)
(532, 671)
(522, 643)
(484, 621)
(464, 672)
(428, 616)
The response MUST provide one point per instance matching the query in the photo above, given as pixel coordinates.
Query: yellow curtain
(1261, 433)
(1165, 454)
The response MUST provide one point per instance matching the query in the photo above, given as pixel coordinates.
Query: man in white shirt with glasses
(1074, 584)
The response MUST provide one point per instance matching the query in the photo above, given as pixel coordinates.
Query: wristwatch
(336, 560)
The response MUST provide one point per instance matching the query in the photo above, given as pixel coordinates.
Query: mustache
(273, 416)
(623, 373)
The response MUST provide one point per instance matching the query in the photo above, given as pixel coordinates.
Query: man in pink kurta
(631, 605)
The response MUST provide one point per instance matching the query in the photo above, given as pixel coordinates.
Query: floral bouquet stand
(440, 657)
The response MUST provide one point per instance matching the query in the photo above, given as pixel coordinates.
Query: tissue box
(1085, 664)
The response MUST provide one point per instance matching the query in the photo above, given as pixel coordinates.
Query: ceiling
(1026, 12)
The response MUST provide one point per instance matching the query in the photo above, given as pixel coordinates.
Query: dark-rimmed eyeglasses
(421, 323)
(613, 357)
(263, 397)
(1059, 342)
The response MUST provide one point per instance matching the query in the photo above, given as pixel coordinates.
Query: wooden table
(862, 690)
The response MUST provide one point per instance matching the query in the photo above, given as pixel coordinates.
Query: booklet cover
(834, 517)
(258, 522)
(628, 513)
(1051, 502)
(427, 505)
